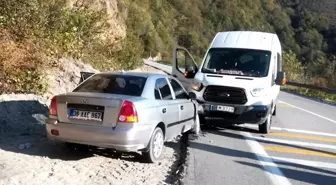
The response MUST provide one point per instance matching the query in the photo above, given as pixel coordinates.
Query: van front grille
(222, 94)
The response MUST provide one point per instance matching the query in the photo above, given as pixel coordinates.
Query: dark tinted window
(114, 84)
(241, 62)
(178, 90)
(279, 62)
(164, 89)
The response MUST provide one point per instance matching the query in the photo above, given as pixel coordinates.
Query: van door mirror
(190, 71)
(281, 78)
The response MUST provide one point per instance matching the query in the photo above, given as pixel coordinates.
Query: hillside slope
(115, 34)
(162, 24)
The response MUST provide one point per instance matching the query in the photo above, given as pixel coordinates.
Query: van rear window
(114, 84)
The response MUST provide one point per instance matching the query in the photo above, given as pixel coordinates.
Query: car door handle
(164, 110)
(181, 107)
(175, 76)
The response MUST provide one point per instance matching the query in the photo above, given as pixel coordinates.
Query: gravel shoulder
(45, 162)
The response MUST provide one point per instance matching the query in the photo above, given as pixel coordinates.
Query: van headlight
(256, 92)
(197, 86)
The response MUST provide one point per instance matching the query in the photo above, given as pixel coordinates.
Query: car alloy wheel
(155, 147)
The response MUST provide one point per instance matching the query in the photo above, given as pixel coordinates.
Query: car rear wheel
(266, 126)
(156, 145)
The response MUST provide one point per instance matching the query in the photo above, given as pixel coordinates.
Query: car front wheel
(156, 145)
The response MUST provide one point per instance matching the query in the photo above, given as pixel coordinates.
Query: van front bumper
(254, 114)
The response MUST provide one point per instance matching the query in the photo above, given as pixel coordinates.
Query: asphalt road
(300, 150)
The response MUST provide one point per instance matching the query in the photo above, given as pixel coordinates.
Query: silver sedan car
(125, 111)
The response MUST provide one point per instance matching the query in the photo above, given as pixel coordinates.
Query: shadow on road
(315, 177)
(221, 132)
(303, 173)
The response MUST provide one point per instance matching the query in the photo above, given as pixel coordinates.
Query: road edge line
(312, 113)
(271, 169)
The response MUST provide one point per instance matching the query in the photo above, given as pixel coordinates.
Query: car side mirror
(192, 95)
(190, 71)
(281, 78)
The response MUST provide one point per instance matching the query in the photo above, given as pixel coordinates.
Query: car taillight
(53, 107)
(128, 113)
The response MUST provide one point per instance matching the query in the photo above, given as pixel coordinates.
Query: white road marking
(323, 117)
(295, 130)
(306, 162)
(271, 169)
(298, 143)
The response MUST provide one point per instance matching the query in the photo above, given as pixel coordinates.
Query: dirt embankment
(44, 162)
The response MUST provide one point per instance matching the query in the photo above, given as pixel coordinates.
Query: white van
(238, 80)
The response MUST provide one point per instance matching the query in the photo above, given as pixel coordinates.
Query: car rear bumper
(128, 138)
(254, 114)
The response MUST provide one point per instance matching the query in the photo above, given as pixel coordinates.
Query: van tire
(151, 155)
(266, 126)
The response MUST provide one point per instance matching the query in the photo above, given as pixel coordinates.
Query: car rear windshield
(114, 84)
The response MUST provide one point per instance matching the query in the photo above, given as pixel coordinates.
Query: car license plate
(86, 115)
(222, 108)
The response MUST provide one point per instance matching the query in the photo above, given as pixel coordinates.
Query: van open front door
(184, 66)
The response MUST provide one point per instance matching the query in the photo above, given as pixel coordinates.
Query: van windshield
(240, 62)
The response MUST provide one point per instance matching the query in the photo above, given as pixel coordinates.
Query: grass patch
(311, 93)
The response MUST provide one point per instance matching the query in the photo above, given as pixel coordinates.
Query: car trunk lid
(89, 108)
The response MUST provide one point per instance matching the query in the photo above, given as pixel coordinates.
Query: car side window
(163, 89)
(178, 90)
(157, 93)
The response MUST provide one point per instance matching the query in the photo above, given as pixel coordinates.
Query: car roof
(140, 74)
(245, 39)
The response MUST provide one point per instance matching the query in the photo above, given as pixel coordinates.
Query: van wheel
(197, 126)
(266, 126)
(156, 145)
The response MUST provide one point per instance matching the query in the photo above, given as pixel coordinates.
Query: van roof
(246, 40)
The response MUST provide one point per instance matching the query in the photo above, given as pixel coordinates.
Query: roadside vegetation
(34, 34)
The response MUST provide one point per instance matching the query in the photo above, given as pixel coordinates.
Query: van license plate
(86, 115)
(222, 108)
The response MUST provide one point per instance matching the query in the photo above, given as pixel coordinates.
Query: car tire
(156, 145)
(197, 126)
(274, 112)
(266, 126)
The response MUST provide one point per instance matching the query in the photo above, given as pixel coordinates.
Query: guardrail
(167, 69)
(312, 87)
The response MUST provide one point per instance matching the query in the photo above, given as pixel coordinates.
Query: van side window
(274, 70)
(163, 89)
(279, 61)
